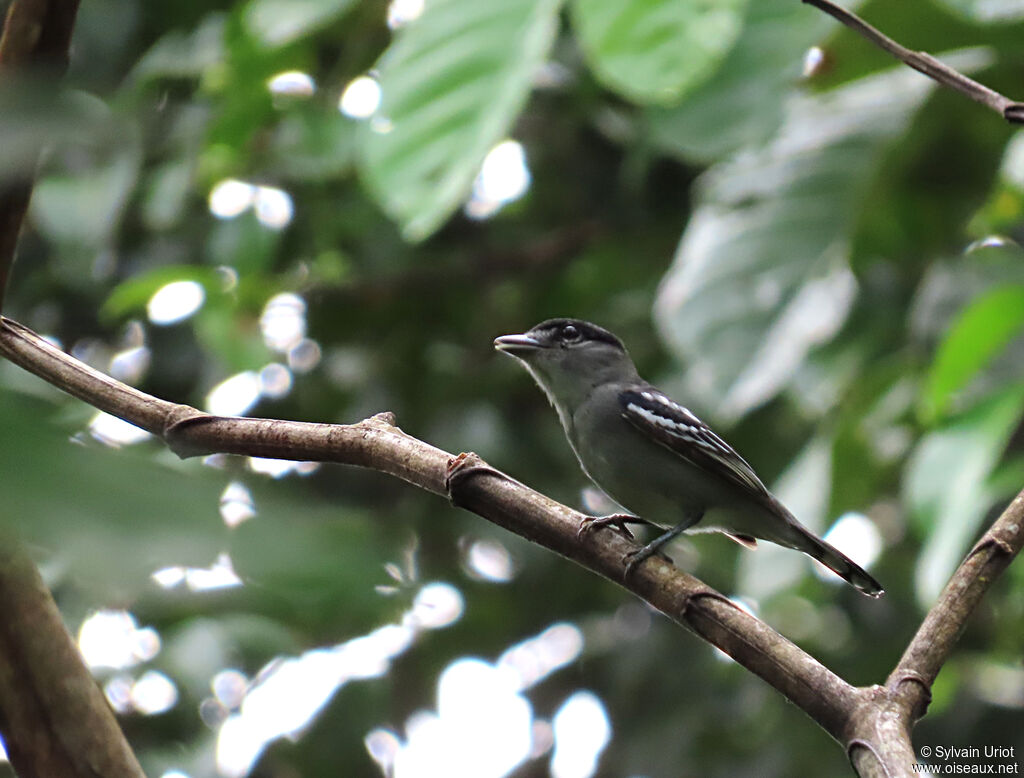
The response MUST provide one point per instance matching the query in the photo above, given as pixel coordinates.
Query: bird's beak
(517, 344)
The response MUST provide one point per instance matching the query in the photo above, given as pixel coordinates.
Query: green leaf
(981, 331)
(184, 55)
(760, 276)
(947, 485)
(452, 83)
(84, 208)
(277, 22)
(742, 102)
(130, 296)
(110, 518)
(656, 51)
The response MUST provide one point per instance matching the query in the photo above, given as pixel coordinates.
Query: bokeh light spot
(115, 432)
(175, 302)
(153, 693)
(235, 395)
(292, 83)
(230, 198)
(582, 730)
(110, 638)
(401, 12)
(361, 98)
(503, 178)
(490, 560)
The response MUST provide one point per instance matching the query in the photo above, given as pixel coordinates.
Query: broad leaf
(947, 485)
(277, 22)
(85, 208)
(981, 331)
(742, 102)
(656, 51)
(761, 275)
(452, 83)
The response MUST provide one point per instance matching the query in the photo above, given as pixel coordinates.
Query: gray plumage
(652, 455)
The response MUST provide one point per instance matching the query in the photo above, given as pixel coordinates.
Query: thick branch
(925, 63)
(377, 444)
(911, 681)
(54, 718)
(873, 723)
(36, 33)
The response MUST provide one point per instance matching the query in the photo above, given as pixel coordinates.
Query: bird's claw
(616, 521)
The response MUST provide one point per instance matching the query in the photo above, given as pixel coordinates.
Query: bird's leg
(617, 521)
(634, 558)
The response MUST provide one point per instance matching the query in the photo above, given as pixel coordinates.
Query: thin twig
(912, 679)
(925, 63)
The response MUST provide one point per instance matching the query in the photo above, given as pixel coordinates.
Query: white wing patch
(679, 429)
(690, 431)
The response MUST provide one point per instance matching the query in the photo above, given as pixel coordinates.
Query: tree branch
(912, 679)
(925, 63)
(872, 723)
(36, 33)
(470, 483)
(54, 718)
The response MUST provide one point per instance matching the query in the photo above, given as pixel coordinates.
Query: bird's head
(568, 358)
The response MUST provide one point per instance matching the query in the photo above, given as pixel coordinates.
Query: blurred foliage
(845, 303)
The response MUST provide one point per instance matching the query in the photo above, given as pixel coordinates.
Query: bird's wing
(678, 429)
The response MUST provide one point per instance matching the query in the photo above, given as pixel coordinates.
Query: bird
(652, 455)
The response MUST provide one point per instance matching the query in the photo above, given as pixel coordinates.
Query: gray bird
(651, 455)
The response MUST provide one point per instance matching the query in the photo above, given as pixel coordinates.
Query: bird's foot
(633, 559)
(617, 521)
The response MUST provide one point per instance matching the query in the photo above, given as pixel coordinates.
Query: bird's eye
(570, 333)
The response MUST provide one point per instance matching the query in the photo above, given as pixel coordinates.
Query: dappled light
(989, 242)
(131, 364)
(581, 732)
(279, 468)
(220, 575)
(275, 381)
(361, 98)
(235, 395)
(484, 726)
(859, 538)
(814, 60)
(490, 560)
(293, 215)
(231, 198)
(152, 693)
(503, 178)
(113, 639)
(291, 691)
(115, 432)
(236, 504)
(402, 12)
(283, 321)
(175, 302)
(292, 83)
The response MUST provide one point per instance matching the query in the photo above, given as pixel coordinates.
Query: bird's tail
(834, 559)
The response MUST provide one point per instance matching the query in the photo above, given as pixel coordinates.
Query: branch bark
(36, 34)
(54, 718)
(872, 723)
(925, 63)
